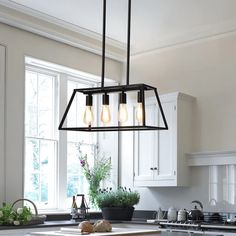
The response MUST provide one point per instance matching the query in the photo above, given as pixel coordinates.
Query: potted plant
(117, 205)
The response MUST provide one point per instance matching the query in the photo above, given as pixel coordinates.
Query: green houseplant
(10, 216)
(96, 173)
(119, 204)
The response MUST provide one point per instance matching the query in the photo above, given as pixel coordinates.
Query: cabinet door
(166, 144)
(145, 147)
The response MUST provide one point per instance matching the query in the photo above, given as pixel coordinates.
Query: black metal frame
(141, 88)
(114, 89)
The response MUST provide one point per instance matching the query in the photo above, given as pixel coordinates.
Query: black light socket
(122, 98)
(105, 99)
(140, 97)
(89, 100)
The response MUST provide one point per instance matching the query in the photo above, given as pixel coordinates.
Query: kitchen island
(137, 223)
(119, 231)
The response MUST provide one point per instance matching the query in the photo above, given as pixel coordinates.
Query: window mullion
(37, 105)
(62, 147)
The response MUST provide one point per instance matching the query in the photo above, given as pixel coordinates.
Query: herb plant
(122, 197)
(96, 173)
(10, 216)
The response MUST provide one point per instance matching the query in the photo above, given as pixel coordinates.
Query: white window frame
(55, 138)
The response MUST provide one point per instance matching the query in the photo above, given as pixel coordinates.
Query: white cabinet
(159, 156)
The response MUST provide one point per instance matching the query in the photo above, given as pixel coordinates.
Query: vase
(93, 191)
(117, 213)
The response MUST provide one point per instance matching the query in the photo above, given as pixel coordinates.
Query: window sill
(60, 211)
(65, 215)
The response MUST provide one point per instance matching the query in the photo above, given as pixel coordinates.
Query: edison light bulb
(88, 115)
(139, 108)
(139, 113)
(105, 114)
(123, 113)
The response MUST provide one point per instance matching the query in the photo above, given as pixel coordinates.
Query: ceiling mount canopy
(120, 124)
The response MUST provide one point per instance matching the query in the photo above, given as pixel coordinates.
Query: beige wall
(206, 70)
(20, 43)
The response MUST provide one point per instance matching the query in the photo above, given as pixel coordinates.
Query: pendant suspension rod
(128, 43)
(103, 43)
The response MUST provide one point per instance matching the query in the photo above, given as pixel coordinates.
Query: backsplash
(214, 186)
(222, 186)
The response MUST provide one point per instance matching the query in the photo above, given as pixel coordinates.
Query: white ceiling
(155, 23)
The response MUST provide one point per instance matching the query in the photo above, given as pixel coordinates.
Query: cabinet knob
(151, 168)
(155, 168)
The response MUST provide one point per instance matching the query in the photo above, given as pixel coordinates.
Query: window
(41, 140)
(52, 169)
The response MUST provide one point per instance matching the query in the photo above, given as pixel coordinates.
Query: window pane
(45, 106)
(39, 105)
(40, 169)
(31, 107)
(32, 169)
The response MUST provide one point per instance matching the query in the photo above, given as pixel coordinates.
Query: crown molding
(202, 34)
(211, 158)
(22, 17)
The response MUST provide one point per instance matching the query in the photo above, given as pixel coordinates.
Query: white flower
(29, 218)
(16, 222)
(10, 220)
(1, 214)
(19, 211)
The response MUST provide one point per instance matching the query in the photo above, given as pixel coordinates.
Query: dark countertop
(59, 223)
(60, 220)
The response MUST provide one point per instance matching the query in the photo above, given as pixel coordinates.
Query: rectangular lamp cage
(142, 88)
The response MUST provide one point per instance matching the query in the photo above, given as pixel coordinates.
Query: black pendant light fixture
(120, 90)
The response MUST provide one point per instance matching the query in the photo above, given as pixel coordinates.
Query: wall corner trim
(211, 158)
